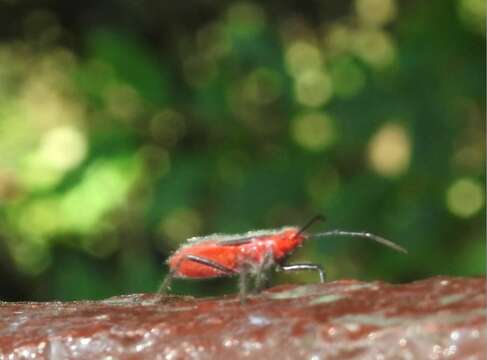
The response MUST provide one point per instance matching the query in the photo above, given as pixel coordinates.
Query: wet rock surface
(437, 318)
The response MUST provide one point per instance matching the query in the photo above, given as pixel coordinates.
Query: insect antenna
(364, 235)
(306, 226)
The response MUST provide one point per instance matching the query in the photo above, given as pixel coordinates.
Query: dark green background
(128, 126)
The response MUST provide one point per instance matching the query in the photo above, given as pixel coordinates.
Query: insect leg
(166, 283)
(299, 267)
(261, 279)
(197, 259)
(242, 283)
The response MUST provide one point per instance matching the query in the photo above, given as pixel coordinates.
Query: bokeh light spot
(471, 156)
(122, 101)
(37, 175)
(313, 88)
(465, 197)
(375, 12)
(262, 86)
(168, 127)
(472, 13)
(212, 41)
(245, 18)
(296, 28)
(389, 150)
(103, 187)
(181, 224)
(313, 131)
(40, 218)
(43, 96)
(157, 159)
(337, 38)
(301, 57)
(31, 257)
(63, 148)
(375, 47)
(348, 78)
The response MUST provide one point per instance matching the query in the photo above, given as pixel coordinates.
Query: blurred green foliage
(123, 134)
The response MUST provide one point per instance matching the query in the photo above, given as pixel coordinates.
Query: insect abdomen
(185, 267)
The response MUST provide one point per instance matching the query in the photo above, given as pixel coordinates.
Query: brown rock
(437, 318)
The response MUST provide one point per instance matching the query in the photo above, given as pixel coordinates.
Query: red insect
(251, 253)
